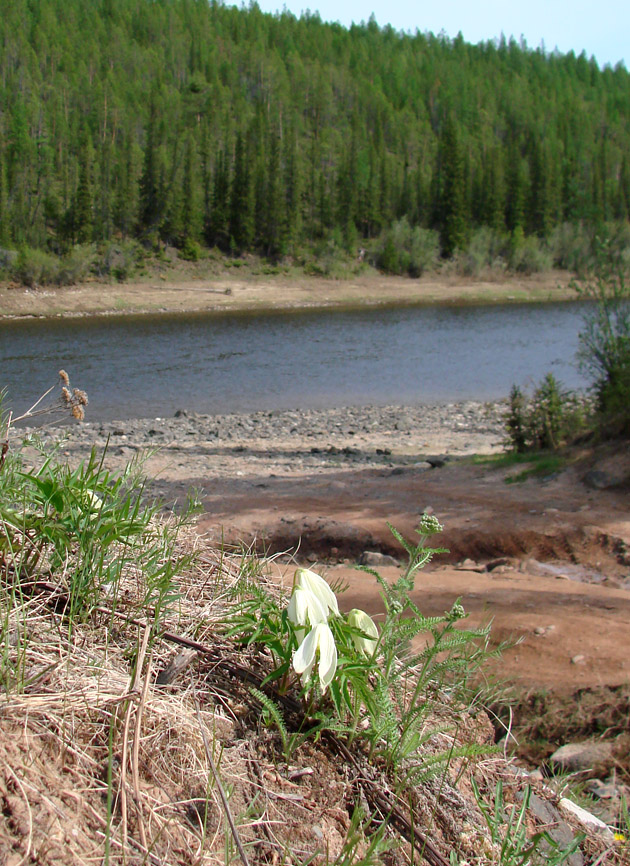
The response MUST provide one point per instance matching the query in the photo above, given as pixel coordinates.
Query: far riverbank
(232, 292)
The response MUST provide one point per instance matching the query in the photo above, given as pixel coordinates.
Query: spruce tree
(241, 199)
(82, 211)
(453, 193)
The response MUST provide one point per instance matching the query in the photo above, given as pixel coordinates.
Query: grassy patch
(537, 465)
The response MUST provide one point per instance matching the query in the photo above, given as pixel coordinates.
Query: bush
(605, 341)
(406, 249)
(118, 260)
(35, 268)
(529, 255)
(547, 420)
(570, 246)
(190, 251)
(76, 266)
(487, 251)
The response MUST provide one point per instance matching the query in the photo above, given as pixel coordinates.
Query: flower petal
(304, 657)
(319, 638)
(305, 608)
(309, 580)
(327, 656)
(359, 619)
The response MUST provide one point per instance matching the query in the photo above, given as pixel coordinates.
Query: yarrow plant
(355, 678)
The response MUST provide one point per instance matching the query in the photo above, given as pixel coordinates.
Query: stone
(377, 559)
(593, 824)
(583, 757)
(602, 790)
(470, 565)
(556, 827)
(496, 563)
(598, 480)
(578, 660)
(437, 461)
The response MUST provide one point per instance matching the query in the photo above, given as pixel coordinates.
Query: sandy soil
(236, 292)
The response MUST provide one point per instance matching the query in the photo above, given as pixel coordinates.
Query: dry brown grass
(105, 762)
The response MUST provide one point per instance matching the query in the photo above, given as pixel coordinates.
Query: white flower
(306, 609)
(319, 639)
(313, 583)
(91, 501)
(359, 619)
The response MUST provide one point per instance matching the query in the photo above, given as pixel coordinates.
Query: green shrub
(406, 249)
(486, 251)
(605, 340)
(570, 246)
(118, 260)
(190, 251)
(75, 266)
(547, 420)
(529, 255)
(35, 268)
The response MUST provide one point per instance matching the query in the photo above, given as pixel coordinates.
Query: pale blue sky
(600, 28)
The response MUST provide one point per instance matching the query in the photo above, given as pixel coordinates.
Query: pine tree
(151, 203)
(453, 194)
(191, 209)
(241, 199)
(83, 208)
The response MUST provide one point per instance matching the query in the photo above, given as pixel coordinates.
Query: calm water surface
(148, 366)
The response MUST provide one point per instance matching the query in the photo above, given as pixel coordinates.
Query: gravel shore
(288, 441)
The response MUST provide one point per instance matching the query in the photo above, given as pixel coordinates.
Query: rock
(181, 413)
(578, 660)
(593, 824)
(496, 563)
(583, 757)
(557, 828)
(436, 462)
(376, 559)
(602, 790)
(598, 480)
(470, 565)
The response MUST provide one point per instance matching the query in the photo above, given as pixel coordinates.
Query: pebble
(484, 419)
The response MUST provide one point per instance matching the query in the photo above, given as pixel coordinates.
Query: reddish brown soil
(562, 588)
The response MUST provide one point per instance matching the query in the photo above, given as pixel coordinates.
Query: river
(152, 365)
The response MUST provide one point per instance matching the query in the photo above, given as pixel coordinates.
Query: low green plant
(545, 421)
(84, 530)
(407, 249)
(508, 830)
(377, 685)
(605, 339)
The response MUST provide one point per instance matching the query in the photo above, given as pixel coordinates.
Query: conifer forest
(196, 124)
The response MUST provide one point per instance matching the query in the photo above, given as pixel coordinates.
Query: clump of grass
(537, 465)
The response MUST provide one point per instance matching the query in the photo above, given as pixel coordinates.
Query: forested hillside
(186, 122)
